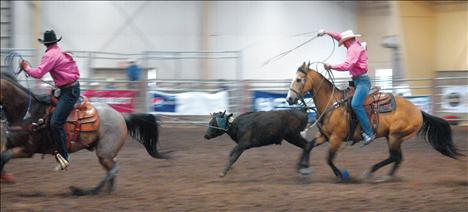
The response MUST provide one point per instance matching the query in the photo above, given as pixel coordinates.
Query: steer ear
(230, 118)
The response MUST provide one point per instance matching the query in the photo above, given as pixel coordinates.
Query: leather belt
(69, 85)
(357, 77)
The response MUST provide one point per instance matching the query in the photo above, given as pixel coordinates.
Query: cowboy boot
(367, 139)
(63, 163)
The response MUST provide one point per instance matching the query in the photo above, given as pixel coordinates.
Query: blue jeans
(362, 85)
(65, 105)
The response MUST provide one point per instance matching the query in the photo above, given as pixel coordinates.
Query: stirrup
(63, 163)
(367, 139)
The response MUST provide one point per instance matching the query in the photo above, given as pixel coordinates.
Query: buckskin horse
(90, 126)
(402, 122)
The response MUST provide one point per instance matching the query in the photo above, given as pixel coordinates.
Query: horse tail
(438, 133)
(144, 128)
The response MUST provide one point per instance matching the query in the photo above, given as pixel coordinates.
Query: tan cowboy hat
(346, 35)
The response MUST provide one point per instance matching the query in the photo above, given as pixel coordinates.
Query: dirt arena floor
(263, 179)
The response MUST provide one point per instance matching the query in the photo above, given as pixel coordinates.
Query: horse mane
(306, 69)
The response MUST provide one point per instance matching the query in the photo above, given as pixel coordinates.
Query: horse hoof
(383, 179)
(222, 174)
(345, 176)
(77, 191)
(305, 171)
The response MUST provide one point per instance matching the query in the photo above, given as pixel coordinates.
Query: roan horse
(108, 139)
(404, 123)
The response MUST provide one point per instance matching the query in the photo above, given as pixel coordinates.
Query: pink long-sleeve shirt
(356, 58)
(60, 64)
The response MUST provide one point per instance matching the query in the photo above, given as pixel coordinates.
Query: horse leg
(16, 152)
(398, 158)
(304, 162)
(299, 141)
(112, 169)
(233, 156)
(394, 157)
(334, 146)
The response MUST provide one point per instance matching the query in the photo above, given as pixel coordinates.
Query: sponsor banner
(121, 100)
(455, 99)
(162, 102)
(422, 102)
(188, 103)
(266, 101)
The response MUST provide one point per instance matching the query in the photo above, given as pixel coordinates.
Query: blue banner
(266, 101)
(162, 102)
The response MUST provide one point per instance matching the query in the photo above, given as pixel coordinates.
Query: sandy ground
(263, 179)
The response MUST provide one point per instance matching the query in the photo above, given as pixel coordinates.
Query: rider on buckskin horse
(356, 64)
(65, 74)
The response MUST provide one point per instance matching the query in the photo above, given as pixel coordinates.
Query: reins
(330, 73)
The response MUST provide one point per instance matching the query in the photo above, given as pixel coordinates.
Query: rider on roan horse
(356, 64)
(65, 74)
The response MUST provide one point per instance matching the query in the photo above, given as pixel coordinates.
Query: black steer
(255, 129)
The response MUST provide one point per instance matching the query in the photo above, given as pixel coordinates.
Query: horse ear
(224, 112)
(308, 65)
(304, 64)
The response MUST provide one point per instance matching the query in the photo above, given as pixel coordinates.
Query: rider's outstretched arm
(47, 63)
(334, 35)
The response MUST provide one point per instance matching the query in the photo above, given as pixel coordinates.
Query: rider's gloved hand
(23, 64)
(327, 66)
(321, 33)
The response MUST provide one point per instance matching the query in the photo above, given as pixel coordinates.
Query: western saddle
(83, 118)
(375, 103)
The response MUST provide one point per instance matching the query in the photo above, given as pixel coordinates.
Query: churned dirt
(263, 179)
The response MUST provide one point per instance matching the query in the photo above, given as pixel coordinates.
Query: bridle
(299, 94)
(329, 107)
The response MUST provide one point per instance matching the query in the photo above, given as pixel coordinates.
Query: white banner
(422, 102)
(198, 103)
(455, 99)
(188, 103)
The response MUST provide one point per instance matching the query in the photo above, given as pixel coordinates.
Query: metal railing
(240, 91)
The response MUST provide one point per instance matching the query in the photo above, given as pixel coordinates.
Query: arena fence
(445, 95)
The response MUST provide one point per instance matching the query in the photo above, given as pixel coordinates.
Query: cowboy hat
(346, 35)
(49, 37)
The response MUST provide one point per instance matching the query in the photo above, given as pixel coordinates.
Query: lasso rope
(9, 63)
(332, 78)
(283, 54)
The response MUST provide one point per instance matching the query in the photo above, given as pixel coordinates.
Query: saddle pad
(389, 106)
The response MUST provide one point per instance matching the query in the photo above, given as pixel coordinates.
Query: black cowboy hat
(49, 37)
